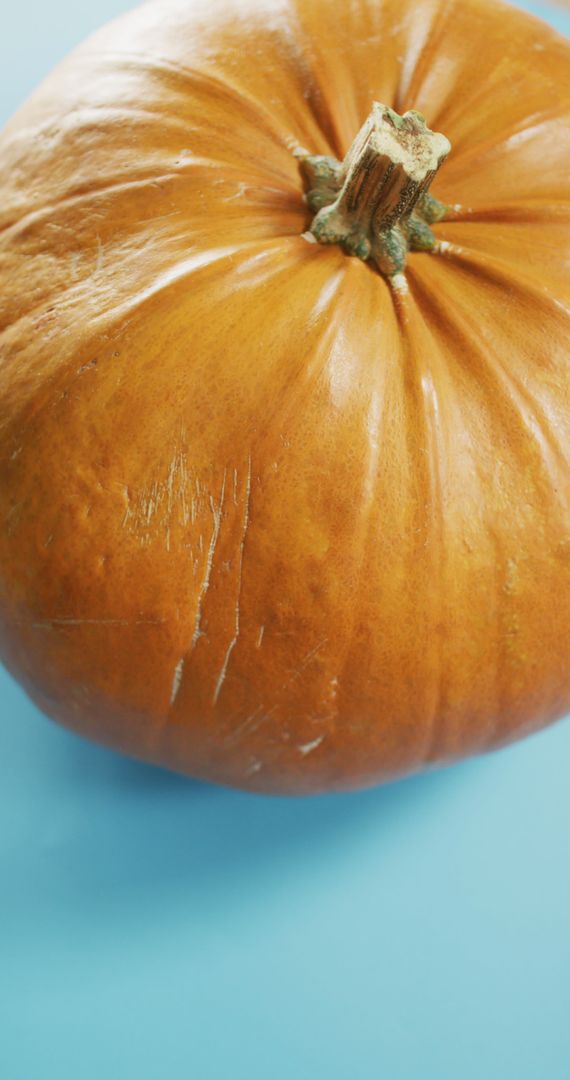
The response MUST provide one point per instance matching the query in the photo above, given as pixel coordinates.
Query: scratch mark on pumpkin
(170, 481)
(260, 636)
(307, 748)
(254, 767)
(306, 661)
(248, 726)
(182, 485)
(224, 669)
(161, 503)
(151, 505)
(233, 642)
(176, 680)
(13, 510)
(217, 517)
(251, 723)
(245, 525)
(241, 191)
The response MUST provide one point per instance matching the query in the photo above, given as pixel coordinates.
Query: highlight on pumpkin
(376, 203)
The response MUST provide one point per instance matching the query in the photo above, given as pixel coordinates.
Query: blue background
(152, 927)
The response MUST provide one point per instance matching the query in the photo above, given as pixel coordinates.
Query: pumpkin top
(376, 203)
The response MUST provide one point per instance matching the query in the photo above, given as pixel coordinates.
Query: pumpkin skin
(268, 521)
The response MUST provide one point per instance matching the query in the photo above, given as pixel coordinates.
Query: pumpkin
(285, 387)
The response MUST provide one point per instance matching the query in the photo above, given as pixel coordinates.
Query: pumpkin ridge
(363, 535)
(310, 371)
(514, 393)
(516, 401)
(502, 273)
(407, 96)
(106, 322)
(527, 211)
(476, 152)
(407, 91)
(428, 452)
(38, 215)
(317, 97)
(200, 78)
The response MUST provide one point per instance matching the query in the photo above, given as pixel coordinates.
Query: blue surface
(151, 927)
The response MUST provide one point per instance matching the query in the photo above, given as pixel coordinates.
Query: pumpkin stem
(375, 203)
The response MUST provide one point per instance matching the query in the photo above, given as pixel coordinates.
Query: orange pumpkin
(286, 514)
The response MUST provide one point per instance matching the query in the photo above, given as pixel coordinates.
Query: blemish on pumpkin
(563, 550)
(511, 576)
(87, 366)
